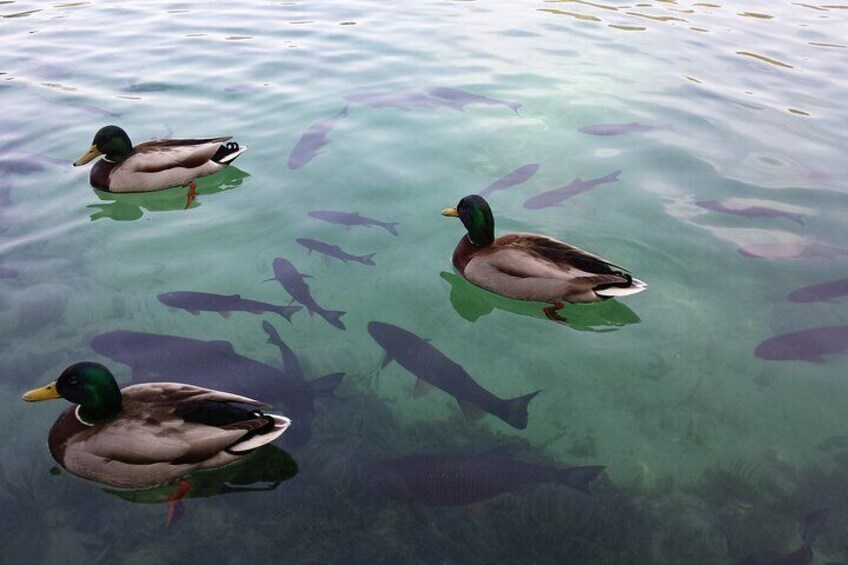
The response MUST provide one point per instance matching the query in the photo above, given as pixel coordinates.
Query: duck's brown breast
(66, 427)
(99, 177)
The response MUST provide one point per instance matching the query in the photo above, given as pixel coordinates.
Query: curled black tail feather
(225, 150)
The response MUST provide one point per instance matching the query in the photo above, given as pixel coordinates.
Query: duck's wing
(154, 427)
(560, 254)
(163, 154)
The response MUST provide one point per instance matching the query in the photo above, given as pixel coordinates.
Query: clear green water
(711, 454)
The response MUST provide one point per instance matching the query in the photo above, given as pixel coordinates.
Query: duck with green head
(529, 266)
(149, 434)
(154, 165)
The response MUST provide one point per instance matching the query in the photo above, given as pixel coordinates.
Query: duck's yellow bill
(92, 152)
(47, 392)
(450, 212)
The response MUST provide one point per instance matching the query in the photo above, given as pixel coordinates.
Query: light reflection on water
(711, 454)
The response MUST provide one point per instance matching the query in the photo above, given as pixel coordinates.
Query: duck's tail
(279, 424)
(228, 152)
(634, 287)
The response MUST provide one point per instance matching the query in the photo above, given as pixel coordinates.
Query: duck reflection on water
(472, 303)
(131, 205)
(263, 470)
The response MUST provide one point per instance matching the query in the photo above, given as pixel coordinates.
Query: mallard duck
(150, 434)
(154, 165)
(530, 266)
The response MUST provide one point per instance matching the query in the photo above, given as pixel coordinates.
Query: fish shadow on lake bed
(130, 206)
(472, 302)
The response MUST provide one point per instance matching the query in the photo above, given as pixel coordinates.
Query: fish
(399, 100)
(216, 365)
(556, 196)
(293, 370)
(95, 110)
(812, 523)
(8, 273)
(355, 219)
(195, 302)
(432, 367)
(334, 251)
(288, 276)
(834, 443)
(19, 165)
(798, 250)
(729, 207)
(5, 193)
(620, 129)
(824, 292)
(456, 479)
(459, 99)
(518, 176)
(428, 99)
(313, 139)
(805, 345)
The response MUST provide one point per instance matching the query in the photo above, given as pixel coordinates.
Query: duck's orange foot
(551, 312)
(175, 502)
(191, 194)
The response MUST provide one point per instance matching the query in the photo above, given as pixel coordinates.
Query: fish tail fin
(613, 176)
(326, 385)
(579, 478)
(797, 218)
(368, 259)
(516, 410)
(334, 317)
(390, 227)
(287, 311)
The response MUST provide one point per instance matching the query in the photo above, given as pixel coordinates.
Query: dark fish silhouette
(518, 176)
(428, 99)
(196, 302)
(399, 100)
(293, 281)
(824, 292)
(558, 195)
(812, 524)
(449, 479)
(313, 139)
(803, 250)
(19, 165)
(459, 99)
(5, 193)
(334, 251)
(215, 364)
(749, 211)
(293, 370)
(95, 110)
(805, 345)
(8, 273)
(355, 219)
(430, 365)
(620, 129)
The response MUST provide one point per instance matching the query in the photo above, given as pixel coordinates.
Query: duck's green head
(477, 218)
(112, 142)
(88, 384)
